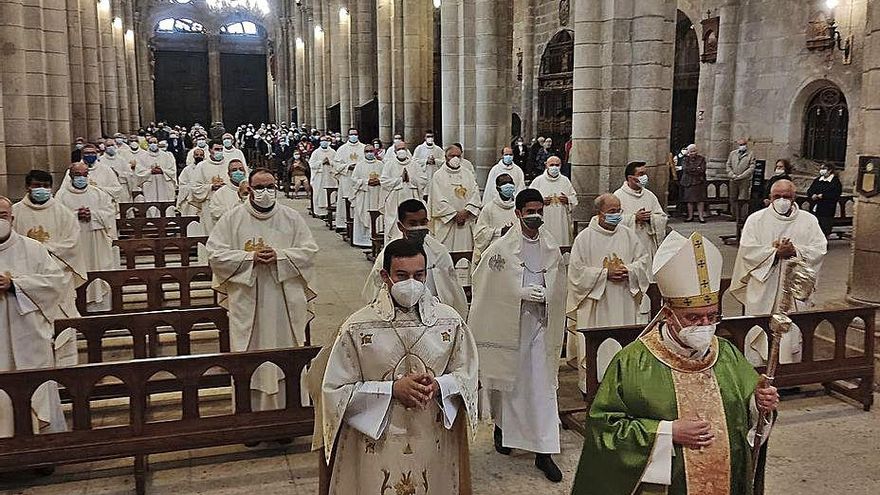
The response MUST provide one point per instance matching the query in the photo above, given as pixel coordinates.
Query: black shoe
(252, 445)
(501, 449)
(688, 220)
(44, 471)
(545, 463)
(702, 220)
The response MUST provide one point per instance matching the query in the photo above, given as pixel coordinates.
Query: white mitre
(688, 271)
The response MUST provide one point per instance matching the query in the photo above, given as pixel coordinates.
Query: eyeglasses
(697, 319)
(269, 187)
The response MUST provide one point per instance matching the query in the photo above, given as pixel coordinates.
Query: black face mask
(416, 235)
(533, 222)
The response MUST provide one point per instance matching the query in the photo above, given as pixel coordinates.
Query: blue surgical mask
(90, 159)
(643, 180)
(153, 147)
(370, 156)
(613, 218)
(217, 156)
(80, 146)
(41, 194)
(110, 150)
(352, 138)
(80, 182)
(507, 191)
(553, 170)
(507, 159)
(325, 144)
(237, 176)
(227, 143)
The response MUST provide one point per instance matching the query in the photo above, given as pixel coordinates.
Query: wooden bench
(348, 233)
(717, 195)
(158, 248)
(330, 219)
(377, 237)
(139, 209)
(843, 216)
(153, 279)
(137, 228)
(87, 442)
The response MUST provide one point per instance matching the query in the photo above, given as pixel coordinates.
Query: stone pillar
(303, 68)
(55, 90)
(366, 56)
(282, 102)
(4, 183)
(385, 65)
(91, 68)
(118, 27)
(329, 21)
(493, 33)
(319, 107)
(271, 90)
(144, 59)
(76, 65)
(865, 267)
(396, 65)
(724, 87)
(215, 94)
(528, 102)
(450, 35)
(351, 20)
(467, 80)
(17, 144)
(134, 103)
(110, 112)
(342, 54)
(418, 62)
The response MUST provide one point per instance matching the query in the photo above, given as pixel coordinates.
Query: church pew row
(843, 215)
(87, 441)
(348, 235)
(846, 370)
(137, 228)
(377, 234)
(185, 280)
(156, 251)
(330, 218)
(140, 209)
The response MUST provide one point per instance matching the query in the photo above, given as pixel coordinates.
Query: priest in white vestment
(232, 194)
(504, 166)
(453, 155)
(496, 216)
(453, 206)
(156, 174)
(607, 279)
(560, 199)
(230, 152)
(261, 254)
(347, 157)
(399, 394)
(121, 168)
(429, 155)
(100, 174)
(186, 203)
(518, 320)
(321, 165)
(366, 196)
(43, 218)
(643, 213)
(31, 288)
(396, 144)
(778, 232)
(442, 280)
(96, 214)
(402, 179)
(201, 143)
(210, 175)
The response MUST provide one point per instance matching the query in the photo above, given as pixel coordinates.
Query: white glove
(533, 293)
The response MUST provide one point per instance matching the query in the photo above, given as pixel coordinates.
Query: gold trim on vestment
(698, 396)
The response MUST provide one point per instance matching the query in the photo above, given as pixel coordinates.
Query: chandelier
(256, 6)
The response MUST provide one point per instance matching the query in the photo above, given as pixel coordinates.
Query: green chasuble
(638, 392)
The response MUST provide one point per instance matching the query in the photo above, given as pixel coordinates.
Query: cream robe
(95, 236)
(421, 154)
(516, 173)
(453, 191)
(157, 187)
(397, 191)
(190, 157)
(347, 155)
(268, 304)
(207, 173)
(755, 280)
(557, 216)
(442, 280)
(224, 200)
(380, 445)
(26, 330)
(233, 153)
(57, 228)
(596, 301)
(494, 217)
(365, 198)
(185, 200)
(123, 172)
(520, 342)
(322, 177)
(103, 177)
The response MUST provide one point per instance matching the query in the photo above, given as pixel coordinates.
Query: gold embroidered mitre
(688, 271)
(38, 233)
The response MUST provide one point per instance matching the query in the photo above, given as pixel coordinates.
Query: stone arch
(686, 82)
(807, 90)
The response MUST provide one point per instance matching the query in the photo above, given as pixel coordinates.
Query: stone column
(303, 68)
(144, 60)
(385, 65)
(351, 19)
(329, 21)
(342, 54)
(76, 67)
(418, 62)
(366, 55)
(865, 267)
(396, 65)
(91, 68)
(134, 103)
(4, 183)
(18, 146)
(271, 91)
(319, 108)
(214, 89)
(467, 80)
(527, 99)
(724, 87)
(282, 105)
(450, 35)
(56, 87)
(110, 112)
(121, 67)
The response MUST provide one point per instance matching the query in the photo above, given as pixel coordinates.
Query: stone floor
(821, 445)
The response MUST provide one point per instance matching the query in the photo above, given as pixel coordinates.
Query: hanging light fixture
(256, 6)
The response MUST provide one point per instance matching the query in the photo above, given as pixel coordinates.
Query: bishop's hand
(766, 396)
(410, 391)
(693, 434)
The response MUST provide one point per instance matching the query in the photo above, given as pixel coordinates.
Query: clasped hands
(643, 216)
(5, 282)
(415, 390)
(265, 256)
(84, 214)
(461, 217)
(784, 248)
(534, 293)
(618, 274)
(373, 182)
(156, 170)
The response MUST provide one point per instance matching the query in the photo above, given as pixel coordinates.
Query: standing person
(520, 153)
(429, 155)
(782, 170)
(777, 233)
(347, 157)
(454, 153)
(31, 288)
(496, 217)
(186, 202)
(740, 168)
(547, 150)
(518, 320)
(121, 170)
(366, 195)
(201, 142)
(177, 148)
(692, 182)
(532, 169)
(824, 194)
(230, 152)
(378, 149)
(100, 174)
(672, 413)
(323, 178)
(402, 179)
(210, 175)
(283, 154)
(453, 206)
(232, 194)
(262, 257)
(607, 279)
(156, 174)
(507, 166)
(409, 423)
(560, 198)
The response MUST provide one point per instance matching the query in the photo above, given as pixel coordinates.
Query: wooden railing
(153, 280)
(140, 209)
(137, 228)
(158, 249)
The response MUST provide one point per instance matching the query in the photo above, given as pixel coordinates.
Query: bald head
(5, 206)
(606, 202)
(783, 188)
(553, 161)
(608, 211)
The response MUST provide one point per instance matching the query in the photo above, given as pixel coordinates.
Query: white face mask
(264, 198)
(429, 141)
(782, 206)
(454, 163)
(407, 292)
(553, 170)
(5, 229)
(401, 155)
(697, 337)
(643, 180)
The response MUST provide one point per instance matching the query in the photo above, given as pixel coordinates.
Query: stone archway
(686, 83)
(555, 88)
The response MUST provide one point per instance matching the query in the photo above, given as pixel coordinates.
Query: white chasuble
(422, 155)
(495, 216)
(156, 174)
(26, 331)
(346, 158)
(557, 216)
(399, 187)
(186, 204)
(209, 177)
(366, 198)
(268, 304)
(321, 165)
(124, 175)
(452, 191)
(490, 192)
(596, 301)
(380, 445)
(101, 176)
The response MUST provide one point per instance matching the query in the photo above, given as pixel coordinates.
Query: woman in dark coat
(782, 171)
(824, 193)
(692, 183)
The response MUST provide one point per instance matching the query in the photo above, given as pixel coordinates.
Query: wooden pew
(330, 219)
(135, 228)
(377, 237)
(843, 217)
(139, 210)
(87, 442)
(153, 279)
(348, 234)
(158, 248)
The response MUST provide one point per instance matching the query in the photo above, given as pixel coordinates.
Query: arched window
(171, 25)
(825, 126)
(246, 28)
